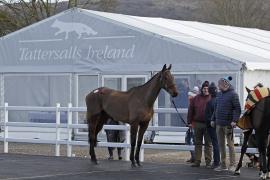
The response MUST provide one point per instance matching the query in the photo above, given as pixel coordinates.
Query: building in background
(64, 57)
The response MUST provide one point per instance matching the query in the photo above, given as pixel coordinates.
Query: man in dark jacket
(227, 113)
(210, 107)
(115, 136)
(196, 116)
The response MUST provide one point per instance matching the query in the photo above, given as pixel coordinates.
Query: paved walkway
(18, 167)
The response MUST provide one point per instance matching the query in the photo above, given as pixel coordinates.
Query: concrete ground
(19, 166)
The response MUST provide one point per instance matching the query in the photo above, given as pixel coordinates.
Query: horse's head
(254, 96)
(167, 81)
(250, 92)
(258, 85)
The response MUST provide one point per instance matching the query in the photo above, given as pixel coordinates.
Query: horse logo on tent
(78, 28)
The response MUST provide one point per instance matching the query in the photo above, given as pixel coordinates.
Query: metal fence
(69, 126)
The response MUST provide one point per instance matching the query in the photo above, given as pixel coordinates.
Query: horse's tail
(93, 104)
(88, 119)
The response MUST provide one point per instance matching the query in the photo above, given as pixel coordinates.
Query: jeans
(226, 132)
(213, 136)
(200, 134)
(189, 140)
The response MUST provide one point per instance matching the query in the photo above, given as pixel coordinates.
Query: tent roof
(247, 45)
(240, 46)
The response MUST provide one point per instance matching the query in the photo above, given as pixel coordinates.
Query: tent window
(87, 83)
(35, 90)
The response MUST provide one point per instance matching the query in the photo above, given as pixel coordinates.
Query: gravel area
(151, 155)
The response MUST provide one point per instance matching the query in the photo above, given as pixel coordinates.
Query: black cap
(205, 84)
(212, 89)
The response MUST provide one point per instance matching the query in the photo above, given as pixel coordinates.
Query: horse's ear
(248, 90)
(164, 68)
(170, 66)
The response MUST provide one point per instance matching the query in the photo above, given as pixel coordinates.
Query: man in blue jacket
(226, 114)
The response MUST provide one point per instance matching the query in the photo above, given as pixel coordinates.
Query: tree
(20, 13)
(102, 5)
(244, 13)
(17, 14)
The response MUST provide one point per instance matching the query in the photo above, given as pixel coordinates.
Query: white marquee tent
(62, 58)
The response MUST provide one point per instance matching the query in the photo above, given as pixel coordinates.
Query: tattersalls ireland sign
(71, 41)
(74, 52)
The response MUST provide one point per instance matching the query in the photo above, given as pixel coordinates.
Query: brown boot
(195, 165)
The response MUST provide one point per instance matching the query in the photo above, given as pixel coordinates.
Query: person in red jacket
(196, 117)
(189, 137)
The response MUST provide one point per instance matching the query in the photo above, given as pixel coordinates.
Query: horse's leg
(243, 151)
(92, 125)
(102, 120)
(133, 136)
(143, 127)
(268, 159)
(262, 151)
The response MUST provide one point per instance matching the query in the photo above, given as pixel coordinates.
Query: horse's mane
(148, 82)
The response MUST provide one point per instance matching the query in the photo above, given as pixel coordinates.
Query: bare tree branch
(246, 13)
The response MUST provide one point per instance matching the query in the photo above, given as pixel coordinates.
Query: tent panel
(80, 42)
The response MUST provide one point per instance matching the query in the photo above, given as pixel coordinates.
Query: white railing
(69, 126)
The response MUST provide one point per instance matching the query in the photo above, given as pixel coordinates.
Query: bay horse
(260, 120)
(134, 107)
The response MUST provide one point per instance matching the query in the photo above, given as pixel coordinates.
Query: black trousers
(114, 136)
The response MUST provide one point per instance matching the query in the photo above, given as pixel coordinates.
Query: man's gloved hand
(233, 124)
(213, 124)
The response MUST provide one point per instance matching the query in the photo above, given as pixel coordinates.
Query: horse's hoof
(263, 176)
(237, 173)
(268, 175)
(139, 164)
(94, 162)
(133, 165)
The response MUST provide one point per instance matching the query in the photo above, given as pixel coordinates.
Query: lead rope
(179, 115)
